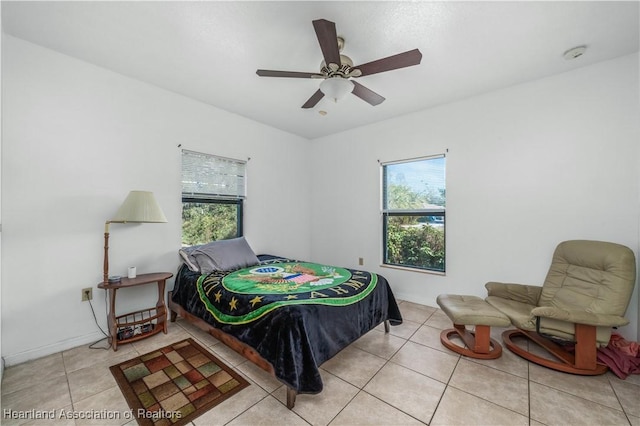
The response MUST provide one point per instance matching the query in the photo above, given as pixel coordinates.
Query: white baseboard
(43, 351)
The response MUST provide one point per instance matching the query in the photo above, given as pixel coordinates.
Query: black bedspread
(295, 338)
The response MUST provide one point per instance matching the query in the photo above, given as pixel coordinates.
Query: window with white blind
(213, 190)
(413, 213)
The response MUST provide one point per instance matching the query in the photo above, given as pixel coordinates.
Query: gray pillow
(185, 254)
(223, 255)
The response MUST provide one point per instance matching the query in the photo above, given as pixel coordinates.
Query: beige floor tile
(42, 395)
(404, 330)
(414, 312)
(535, 349)
(231, 408)
(411, 392)
(496, 386)
(227, 355)
(419, 306)
(89, 381)
(354, 365)
(381, 344)
(453, 338)
(429, 336)
(632, 378)
(181, 322)
(554, 407)
(204, 338)
(628, 394)
(439, 320)
(594, 388)
(428, 361)
(269, 411)
(478, 391)
(84, 356)
(266, 381)
(460, 408)
(496, 332)
(23, 375)
(508, 362)
(110, 402)
(365, 409)
(321, 408)
(160, 340)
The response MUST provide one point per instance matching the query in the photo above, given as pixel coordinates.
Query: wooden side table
(141, 324)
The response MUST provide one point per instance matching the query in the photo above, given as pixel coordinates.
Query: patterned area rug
(175, 384)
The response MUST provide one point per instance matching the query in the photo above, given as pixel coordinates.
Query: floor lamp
(138, 207)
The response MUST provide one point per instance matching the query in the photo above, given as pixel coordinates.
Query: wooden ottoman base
(479, 344)
(471, 310)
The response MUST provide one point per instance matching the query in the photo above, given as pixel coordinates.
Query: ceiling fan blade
(313, 100)
(328, 39)
(401, 60)
(366, 94)
(292, 74)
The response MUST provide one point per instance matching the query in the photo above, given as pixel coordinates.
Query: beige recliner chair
(585, 294)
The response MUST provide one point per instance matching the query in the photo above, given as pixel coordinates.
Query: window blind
(423, 178)
(206, 176)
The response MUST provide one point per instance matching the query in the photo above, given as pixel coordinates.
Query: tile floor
(402, 378)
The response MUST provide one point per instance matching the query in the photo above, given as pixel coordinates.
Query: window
(213, 189)
(413, 212)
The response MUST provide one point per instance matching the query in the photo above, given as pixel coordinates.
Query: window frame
(386, 213)
(237, 197)
(239, 202)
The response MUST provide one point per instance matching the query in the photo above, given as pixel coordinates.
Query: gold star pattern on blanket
(233, 304)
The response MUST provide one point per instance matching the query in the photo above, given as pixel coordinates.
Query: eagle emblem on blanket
(247, 294)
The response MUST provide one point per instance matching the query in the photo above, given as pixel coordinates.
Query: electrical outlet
(360, 261)
(87, 294)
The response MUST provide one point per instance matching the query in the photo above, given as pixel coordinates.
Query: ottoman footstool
(472, 310)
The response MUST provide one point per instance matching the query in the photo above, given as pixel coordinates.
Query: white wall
(76, 140)
(527, 167)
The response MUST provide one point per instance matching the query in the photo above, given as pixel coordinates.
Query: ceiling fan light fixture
(336, 87)
(337, 69)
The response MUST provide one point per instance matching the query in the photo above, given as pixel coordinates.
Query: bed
(284, 315)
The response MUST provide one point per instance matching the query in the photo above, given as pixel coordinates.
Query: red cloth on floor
(629, 348)
(621, 356)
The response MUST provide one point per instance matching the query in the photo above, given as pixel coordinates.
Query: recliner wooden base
(582, 362)
(479, 343)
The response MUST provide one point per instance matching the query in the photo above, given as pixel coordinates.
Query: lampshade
(336, 87)
(141, 207)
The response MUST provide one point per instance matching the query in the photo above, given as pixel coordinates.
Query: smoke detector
(574, 53)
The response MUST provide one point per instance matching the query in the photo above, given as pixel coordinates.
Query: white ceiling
(210, 50)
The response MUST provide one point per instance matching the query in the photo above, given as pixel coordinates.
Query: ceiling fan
(337, 70)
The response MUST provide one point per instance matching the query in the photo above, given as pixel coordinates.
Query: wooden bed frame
(243, 349)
